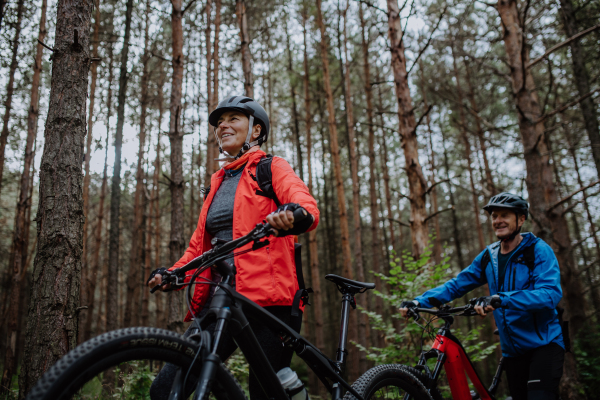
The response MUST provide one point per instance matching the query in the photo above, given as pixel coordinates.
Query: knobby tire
(88, 360)
(390, 382)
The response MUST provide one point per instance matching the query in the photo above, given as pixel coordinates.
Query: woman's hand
(157, 280)
(282, 220)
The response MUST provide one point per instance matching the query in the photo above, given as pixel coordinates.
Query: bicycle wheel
(389, 382)
(122, 364)
(434, 392)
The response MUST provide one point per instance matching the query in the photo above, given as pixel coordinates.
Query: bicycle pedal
(475, 395)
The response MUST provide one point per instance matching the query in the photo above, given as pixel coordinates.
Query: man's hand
(405, 306)
(483, 304)
(156, 279)
(282, 220)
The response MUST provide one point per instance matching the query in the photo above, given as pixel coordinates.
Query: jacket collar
(494, 249)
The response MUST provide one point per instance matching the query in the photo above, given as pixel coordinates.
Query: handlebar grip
(496, 302)
(155, 288)
(300, 214)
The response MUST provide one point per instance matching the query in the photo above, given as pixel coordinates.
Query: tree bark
(240, 11)
(467, 144)
(10, 87)
(88, 275)
(550, 226)
(375, 244)
(417, 183)
(137, 248)
(296, 122)
(582, 80)
(211, 141)
(18, 258)
(437, 244)
(176, 183)
(52, 317)
(339, 182)
(112, 306)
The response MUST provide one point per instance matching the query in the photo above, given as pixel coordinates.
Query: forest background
(403, 120)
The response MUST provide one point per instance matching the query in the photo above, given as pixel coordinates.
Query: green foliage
(587, 353)
(240, 369)
(410, 277)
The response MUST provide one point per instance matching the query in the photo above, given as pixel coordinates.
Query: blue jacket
(528, 318)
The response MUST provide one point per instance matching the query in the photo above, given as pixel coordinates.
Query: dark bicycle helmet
(255, 112)
(510, 201)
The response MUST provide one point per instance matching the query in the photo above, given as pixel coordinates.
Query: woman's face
(232, 130)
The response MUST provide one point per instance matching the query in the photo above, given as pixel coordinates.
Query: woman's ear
(256, 129)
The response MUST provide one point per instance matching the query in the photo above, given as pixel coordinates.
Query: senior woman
(231, 209)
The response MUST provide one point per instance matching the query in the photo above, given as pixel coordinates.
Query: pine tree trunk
(296, 122)
(315, 272)
(10, 88)
(88, 275)
(176, 183)
(467, 144)
(112, 306)
(53, 314)
(417, 183)
(437, 244)
(551, 226)
(240, 11)
(18, 259)
(582, 80)
(211, 141)
(339, 183)
(137, 249)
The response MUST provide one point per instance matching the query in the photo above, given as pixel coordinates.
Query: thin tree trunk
(296, 123)
(10, 87)
(376, 245)
(176, 183)
(315, 272)
(437, 244)
(138, 234)
(417, 183)
(550, 226)
(339, 182)
(211, 141)
(18, 256)
(467, 144)
(240, 11)
(582, 80)
(53, 316)
(87, 274)
(216, 61)
(161, 316)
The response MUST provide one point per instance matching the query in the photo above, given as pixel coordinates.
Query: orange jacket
(266, 276)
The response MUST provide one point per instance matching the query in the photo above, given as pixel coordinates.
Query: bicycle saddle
(346, 285)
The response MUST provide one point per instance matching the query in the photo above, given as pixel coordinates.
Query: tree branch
(188, 6)
(568, 197)
(438, 212)
(399, 222)
(373, 6)
(563, 108)
(430, 188)
(46, 46)
(422, 116)
(572, 206)
(160, 57)
(428, 41)
(566, 42)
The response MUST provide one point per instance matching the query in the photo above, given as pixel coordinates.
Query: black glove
(159, 271)
(484, 301)
(302, 221)
(408, 304)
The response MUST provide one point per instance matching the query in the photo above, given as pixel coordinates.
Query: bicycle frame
(450, 355)
(230, 309)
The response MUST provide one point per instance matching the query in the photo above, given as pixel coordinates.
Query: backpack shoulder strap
(485, 260)
(527, 254)
(205, 191)
(264, 178)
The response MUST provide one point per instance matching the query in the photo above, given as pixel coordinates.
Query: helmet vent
(231, 99)
(246, 100)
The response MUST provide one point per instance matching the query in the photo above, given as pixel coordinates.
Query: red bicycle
(450, 355)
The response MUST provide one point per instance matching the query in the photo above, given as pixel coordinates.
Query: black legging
(279, 356)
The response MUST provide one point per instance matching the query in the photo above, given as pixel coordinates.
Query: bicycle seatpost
(347, 301)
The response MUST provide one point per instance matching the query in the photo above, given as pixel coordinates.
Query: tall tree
(112, 307)
(240, 11)
(87, 274)
(139, 210)
(339, 181)
(582, 80)
(53, 315)
(417, 183)
(10, 87)
(547, 213)
(18, 258)
(176, 183)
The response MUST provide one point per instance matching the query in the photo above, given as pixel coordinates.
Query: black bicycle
(117, 364)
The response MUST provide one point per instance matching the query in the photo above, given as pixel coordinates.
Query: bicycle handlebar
(445, 311)
(220, 252)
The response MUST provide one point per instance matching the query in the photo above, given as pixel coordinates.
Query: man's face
(505, 222)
